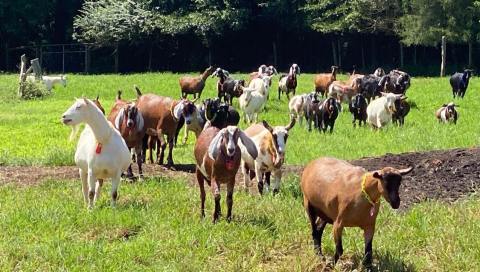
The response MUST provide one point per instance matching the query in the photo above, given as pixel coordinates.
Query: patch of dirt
(444, 175)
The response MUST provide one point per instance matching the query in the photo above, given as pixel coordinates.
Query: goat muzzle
(229, 162)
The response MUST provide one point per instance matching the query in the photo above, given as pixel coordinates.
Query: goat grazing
(344, 195)
(327, 114)
(323, 81)
(271, 143)
(447, 113)
(358, 108)
(217, 155)
(380, 110)
(101, 151)
(459, 82)
(194, 85)
(402, 109)
(288, 83)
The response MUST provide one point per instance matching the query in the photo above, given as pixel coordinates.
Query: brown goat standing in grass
(218, 156)
(194, 85)
(323, 81)
(344, 195)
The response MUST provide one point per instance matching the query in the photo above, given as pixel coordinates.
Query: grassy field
(156, 225)
(31, 134)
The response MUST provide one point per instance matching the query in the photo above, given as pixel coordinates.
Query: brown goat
(323, 81)
(343, 92)
(218, 156)
(194, 85)
(344, 195)
(159, 120)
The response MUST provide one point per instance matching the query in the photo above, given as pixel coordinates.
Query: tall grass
(30, 131)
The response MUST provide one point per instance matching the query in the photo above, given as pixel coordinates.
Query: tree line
(190, 34)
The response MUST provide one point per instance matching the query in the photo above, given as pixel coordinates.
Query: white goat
(380, 110)
(252, 101)
(101, 151)
(296, 107)
(270, 143)
(50, 81)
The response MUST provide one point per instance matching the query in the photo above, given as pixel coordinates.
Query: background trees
(318, 33)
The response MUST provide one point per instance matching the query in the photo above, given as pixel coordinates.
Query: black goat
(219, 114)
(358, 108)
(328, 113)
(402, 109)
(459, 82)
(398, 82)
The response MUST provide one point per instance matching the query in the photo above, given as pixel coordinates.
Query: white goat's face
(76, 113)
(391, 98)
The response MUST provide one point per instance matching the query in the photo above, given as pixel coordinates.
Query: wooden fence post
(444, 57)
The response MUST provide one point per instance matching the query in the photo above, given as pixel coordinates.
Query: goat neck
(101, 128)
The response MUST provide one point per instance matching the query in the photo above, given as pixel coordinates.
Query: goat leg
(215, 186)
(161, 148)
(337, 235)
(316, 231)
(201, 184)
(170, 150)
(138, 152)
(84, 178)
(230, 187)
(368, 236)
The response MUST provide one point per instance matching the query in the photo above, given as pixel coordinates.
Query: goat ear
(405, 171)
(139, 121)
(383, 93)
(177, 110)
(377, 175)
(214, 146)
(249, 145)
(444, 105)
(119, 118)
(267, 126)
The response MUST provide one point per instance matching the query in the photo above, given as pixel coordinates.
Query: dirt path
(446, 175)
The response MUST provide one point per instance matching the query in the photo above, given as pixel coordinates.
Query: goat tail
(74, 133)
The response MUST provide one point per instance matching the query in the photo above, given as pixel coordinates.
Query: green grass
(156, 227)
(31, 134)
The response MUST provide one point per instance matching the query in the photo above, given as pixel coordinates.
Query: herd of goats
(334, 191)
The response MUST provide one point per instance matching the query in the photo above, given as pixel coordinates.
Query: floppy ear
(249, 145)
(298, 70)
(267, 126)
(405, 171)
(377, 175)
(177, 110)
(119, 118)
(214, 146)
(139, 121)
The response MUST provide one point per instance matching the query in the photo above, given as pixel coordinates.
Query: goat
(344, 195)
(295, 107)
(459, 82)
(447, 113)
(343, 92)
(194, 85)
(219, 115)
(51, 81)
(323, 81)
(271, 143)
(327, 114)
(380, 110)
(101, 151)
(161, 117)
(252, 101)
(264, 70)
(371, 86)
(288, 83)
(379, 72)
(358, 108)
(398, 82)
(402, 109)
(193, 118)
(217, 155)
(311, 109)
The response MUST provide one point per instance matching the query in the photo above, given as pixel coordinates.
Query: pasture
(156, 225)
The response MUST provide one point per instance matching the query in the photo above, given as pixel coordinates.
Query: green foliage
(34, 90)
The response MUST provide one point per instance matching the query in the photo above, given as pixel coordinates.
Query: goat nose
(231, 150)
(188, 122)
(63, 116)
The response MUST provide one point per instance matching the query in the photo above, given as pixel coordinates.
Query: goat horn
(97, 97)
(405, 171)
(292, 123)
(267, 126)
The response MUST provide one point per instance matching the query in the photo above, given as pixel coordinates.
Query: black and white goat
(358, 108)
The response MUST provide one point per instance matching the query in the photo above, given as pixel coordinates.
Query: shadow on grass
(383, 261)
(260, 221)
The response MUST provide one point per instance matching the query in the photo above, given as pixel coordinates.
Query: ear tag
(98, 150)
(372, 211)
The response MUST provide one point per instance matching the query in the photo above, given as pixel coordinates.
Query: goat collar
(365, 194)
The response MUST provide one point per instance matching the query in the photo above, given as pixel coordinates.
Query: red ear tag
(372, 210)
(98, 150)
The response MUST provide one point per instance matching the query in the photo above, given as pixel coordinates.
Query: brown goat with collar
(217, 154)
(344, 195)
(194, 85)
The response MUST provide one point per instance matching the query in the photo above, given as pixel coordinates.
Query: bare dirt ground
(442, 175)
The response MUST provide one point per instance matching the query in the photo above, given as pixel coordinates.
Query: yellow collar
(367, 196)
